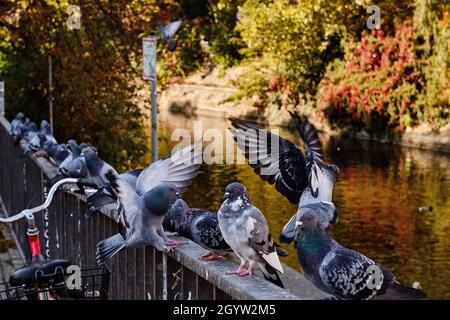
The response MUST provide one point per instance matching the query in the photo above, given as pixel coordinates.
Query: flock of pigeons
(149, 203)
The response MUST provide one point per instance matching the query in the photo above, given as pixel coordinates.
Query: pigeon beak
(298, 224)
(226, 195)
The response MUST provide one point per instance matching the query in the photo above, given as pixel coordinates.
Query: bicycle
(56, 279)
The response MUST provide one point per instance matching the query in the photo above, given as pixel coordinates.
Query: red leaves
(377, 76)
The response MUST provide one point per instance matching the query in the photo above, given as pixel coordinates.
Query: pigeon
(342, 272)
(168, 32)
(47, 132)
(36, 139)
(97, 168)
(246, 230)
(58, 153)
(293, 173)
(17, 126)
(199, 225)
(141, 218)
(63, 168)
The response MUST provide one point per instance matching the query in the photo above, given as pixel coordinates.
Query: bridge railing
(136, 273)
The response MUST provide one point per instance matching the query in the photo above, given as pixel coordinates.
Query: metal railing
(136, 273)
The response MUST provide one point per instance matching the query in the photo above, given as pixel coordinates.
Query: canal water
(379, 192)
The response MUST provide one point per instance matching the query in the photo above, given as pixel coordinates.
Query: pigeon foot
(210, 256)
(175, 244)
(247, 272)
(238, 271)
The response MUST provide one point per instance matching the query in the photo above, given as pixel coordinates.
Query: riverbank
(211, 95)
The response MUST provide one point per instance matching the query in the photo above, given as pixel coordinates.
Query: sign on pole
(2, 98)
(149, 50)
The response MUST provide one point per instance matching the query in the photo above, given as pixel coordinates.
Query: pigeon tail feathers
(270, 274)
(109, 247)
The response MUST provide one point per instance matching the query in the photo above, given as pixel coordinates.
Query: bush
(376, 85)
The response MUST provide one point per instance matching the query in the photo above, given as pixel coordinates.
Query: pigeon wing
(349, 274)
(179, 168)
(260, 239)
(168, 31)
(131, 202)
(287, 171)
(321, 176)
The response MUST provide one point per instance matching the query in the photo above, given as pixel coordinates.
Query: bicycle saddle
(40, 272)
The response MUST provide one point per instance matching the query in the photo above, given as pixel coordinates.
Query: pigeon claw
(238, 271)
(176, 244)
(210, 256)
(244, 273)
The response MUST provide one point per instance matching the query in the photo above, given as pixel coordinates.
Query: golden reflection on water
(379, 191)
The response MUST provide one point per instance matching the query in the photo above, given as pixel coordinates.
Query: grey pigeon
(199, 225)
(295, 174)
(74, 153)
(37, 139)
(96, 167)
(246, 230)
(47, 132)
(58, 153)
(141, 218)
(16, 126)
(341, 272)
(168, 32)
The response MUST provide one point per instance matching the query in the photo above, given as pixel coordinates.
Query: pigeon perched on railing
(17, 126)
(245, 229)
(341, 272)
(199, 225)
(142, 218)
(97, 168)
(295, 174)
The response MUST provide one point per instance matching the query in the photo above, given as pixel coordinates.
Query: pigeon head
(161, 198)
(325, 212)
(83, 146)
(309, 222)
(89, 154)
(20, 116)
(73, 146)
(234, 191)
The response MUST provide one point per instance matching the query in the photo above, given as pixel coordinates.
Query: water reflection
(379, 191)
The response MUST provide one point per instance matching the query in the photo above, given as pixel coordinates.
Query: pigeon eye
(310, 217)
(236, 190)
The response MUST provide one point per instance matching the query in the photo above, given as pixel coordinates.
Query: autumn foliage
(377, 84)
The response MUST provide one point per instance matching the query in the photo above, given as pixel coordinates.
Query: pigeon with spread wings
(295, 174)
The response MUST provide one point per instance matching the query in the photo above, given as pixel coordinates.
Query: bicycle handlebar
(48, 201)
